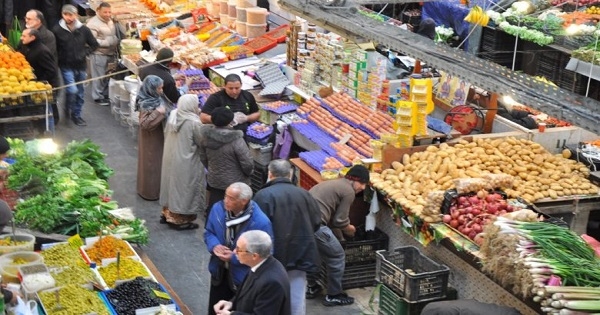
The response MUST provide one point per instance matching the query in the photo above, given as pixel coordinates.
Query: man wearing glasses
(228, 219)
(266, 289)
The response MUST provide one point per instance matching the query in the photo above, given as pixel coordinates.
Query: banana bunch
(477, 16)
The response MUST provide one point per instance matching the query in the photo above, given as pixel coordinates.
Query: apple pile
(469, 214)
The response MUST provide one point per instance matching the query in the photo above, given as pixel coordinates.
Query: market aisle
(180, 256)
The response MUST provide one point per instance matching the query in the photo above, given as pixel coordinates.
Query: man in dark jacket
(39, 57)
(295, 216)
(74, 42)
(265, 289)
(35, 19)
(161, 70)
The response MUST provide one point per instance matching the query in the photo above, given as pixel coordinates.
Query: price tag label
(345, 138)
(75, 240)
(161, 294)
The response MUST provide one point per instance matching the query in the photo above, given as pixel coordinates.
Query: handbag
(14, 34)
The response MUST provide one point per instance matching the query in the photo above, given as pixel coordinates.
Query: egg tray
(259, 135)
(286, 108)
(200, 84)
(275, 88)
(271, 73)
(316, 135)
(316, 159)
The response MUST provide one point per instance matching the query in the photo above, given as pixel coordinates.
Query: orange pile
(13, 60)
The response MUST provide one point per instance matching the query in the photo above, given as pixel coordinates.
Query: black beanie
(4, 145)
(221, 116)
(164, 56)
(358, 173)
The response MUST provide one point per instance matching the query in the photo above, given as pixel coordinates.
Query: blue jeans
(74, 95)
(297, 291)
(333, 255)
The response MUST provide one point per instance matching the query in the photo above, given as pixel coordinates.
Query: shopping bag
(14, 34)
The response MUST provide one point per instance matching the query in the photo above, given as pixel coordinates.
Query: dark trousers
(219, 292)
(215, 195)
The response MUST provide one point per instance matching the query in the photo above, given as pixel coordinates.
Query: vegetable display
(75, 300)
(536, 173)
(108, 247)
(128, 269)
(66, 192)
(136, 294)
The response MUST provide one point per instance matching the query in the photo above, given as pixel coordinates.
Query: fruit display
(108, 247)
(537, 174)
(477, 16)
(73, 299)
(16, 77)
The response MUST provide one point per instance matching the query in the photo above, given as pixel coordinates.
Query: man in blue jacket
(228, 219)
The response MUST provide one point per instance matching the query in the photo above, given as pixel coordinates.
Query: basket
(391, 304)
(362, 252)
(427, 281)
(354, 276)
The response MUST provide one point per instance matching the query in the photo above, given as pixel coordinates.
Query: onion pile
(469, 214)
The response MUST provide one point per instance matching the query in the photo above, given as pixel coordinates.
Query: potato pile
(537, 173)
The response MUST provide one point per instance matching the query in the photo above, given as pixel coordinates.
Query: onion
(474, 200)
(477, 228)
(472, 234)
(446, 218)
(454, 214)
(476, 211)
(454, 223)
(462, 200)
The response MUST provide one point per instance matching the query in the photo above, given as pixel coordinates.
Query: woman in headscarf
(182, 191)
(153, 111)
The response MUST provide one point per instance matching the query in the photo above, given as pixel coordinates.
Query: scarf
(187, 109)
(233, 224)
(148, 97)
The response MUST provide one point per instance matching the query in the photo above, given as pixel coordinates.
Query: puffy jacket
(73, 46)
(105, 33)
(226, 155)
(295, 217)
(214, 234)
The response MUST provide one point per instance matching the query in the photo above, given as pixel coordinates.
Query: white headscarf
(187, 109)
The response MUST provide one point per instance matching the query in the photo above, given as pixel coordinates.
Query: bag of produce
(14, 34)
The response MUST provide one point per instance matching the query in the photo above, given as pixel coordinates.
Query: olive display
(73, 275)
(128, 296)
(75, 300)
(128, 269)
(62, 255)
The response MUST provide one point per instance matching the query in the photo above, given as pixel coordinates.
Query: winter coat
(295, 216)
(161, 71)
(182, 185)
(226, 155)
(73, 46)
(41, 60)
(106, 35)
(47, 37)
(214, 234)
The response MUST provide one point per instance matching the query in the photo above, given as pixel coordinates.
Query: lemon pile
(593, 10)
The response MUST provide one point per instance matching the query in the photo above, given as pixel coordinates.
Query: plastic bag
(373, 209)
(499, 181)
(467, 185)
(26, 308)
(14, 34)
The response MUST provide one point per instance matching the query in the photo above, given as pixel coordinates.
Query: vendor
(240, 102)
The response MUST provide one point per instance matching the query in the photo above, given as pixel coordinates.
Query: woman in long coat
(182, 191)
(153, 110)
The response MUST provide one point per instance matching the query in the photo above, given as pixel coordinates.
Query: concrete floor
(180, 256)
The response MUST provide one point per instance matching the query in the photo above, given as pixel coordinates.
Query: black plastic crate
(22, 130)
(360, 250)
(259, 176)
(6, 112)
(33, 110)
(354, 276)
(392, 304)
(412, 275)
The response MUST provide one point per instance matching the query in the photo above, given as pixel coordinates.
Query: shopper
(228, 219)
(6, 16)
(74, 42)
(52, 9)
(241, 103)
(35, 19)
(153, 110)
(183, 181)
(225, 153)
(106, 33)
(39, 57)
(295, 216)
(335, 198)
(427, 28)
(161, 69)
(266, 289)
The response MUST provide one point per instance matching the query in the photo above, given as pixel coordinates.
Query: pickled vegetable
(107, 247)
(129, 269)
(73, 275)
(135, 294)
(75, 300)
(7, 241)
(61, 255)
(20, 261)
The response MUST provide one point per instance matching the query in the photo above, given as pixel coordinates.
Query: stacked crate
(498, 46)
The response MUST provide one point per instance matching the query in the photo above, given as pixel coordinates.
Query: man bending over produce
(335, 198)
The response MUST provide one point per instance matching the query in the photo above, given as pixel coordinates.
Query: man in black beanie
(161, 69)
(335, 198)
